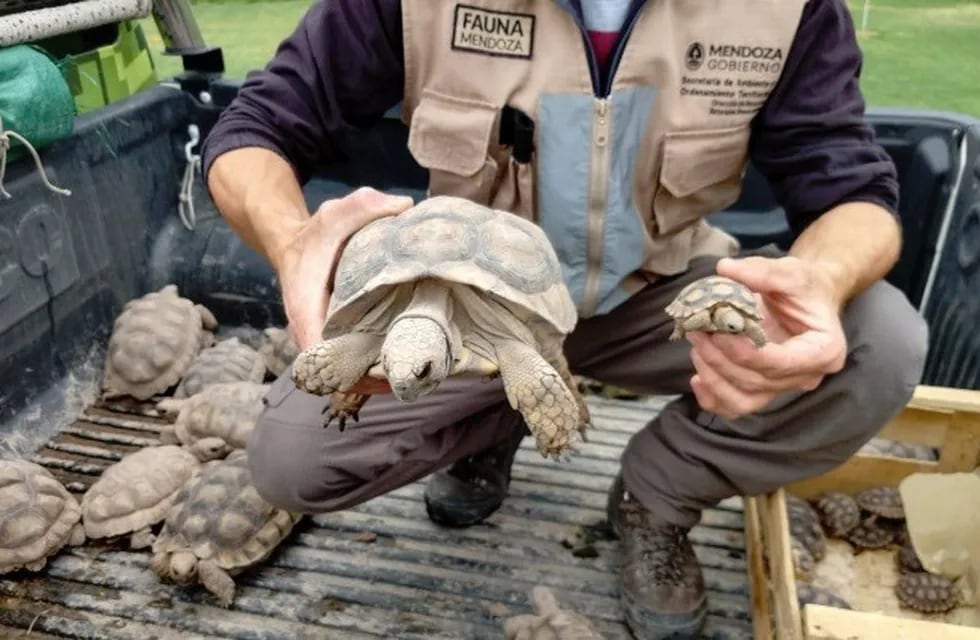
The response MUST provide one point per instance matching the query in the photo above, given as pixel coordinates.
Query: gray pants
(682, 461)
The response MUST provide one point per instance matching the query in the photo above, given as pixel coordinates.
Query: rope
(5, 137)
(185, 204)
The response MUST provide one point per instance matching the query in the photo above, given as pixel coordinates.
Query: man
(617, 126)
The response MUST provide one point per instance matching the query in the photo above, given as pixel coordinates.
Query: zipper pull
(602, 122)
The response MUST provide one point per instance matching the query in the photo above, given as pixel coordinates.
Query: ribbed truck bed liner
(381, 569)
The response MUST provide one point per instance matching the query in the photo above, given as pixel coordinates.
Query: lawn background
(917, 53)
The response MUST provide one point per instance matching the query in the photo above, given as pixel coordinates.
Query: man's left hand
(805, 339)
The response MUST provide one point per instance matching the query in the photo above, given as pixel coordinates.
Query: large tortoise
(154, 341)
(450, 287)
(38, 516)
(218, 526)
(716, 304)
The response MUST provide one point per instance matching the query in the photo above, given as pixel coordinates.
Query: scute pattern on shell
(871, 534)
(220, 516)
(154, 340)
(228, 361)
(882, 501)
(838, 512)
(804, 525)
(137, 491)
(226, 410)
(456, 240)
(711, 290)
(38, 516)
(927, 592)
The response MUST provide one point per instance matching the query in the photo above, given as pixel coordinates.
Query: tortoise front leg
(336, 364)
(217, 581)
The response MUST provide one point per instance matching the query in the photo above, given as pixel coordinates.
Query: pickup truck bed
(68, 264)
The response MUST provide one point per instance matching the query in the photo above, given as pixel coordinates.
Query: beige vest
(620, 177)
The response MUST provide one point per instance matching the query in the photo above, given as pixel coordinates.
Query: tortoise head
(416, 357)
(728, 320)
(183, 567)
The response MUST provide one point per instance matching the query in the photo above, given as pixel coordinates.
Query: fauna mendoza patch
(492, 32)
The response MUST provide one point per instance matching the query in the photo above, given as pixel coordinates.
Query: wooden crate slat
(830, 623)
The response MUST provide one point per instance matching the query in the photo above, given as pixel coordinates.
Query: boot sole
(645, 625)
(459, 514)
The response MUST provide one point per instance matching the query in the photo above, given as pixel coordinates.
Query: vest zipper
(598, 191)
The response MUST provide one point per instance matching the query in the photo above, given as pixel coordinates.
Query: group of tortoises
(194, 486)
(872, 519)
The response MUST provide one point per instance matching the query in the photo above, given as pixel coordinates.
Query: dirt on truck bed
(382, 569)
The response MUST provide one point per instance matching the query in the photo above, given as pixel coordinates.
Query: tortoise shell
(808, 593)
(709, 291)
(137, 491)
(459, 241)
(839, 513)
(803, 562)
(226, 410)
(870, 534)
(804, 525)
(927, 592)
(230, 360)
(154, 340)
(219, 515)
(38, 516)
(882, 501)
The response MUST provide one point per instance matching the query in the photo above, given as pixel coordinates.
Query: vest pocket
(450, 137)
(700, 174)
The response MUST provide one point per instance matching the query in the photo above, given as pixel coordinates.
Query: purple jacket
(341, 69)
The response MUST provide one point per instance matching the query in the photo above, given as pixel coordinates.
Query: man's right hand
(306, 261)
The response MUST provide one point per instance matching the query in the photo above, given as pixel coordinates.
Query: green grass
(918, 53)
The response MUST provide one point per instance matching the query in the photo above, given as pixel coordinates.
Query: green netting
(35, 101)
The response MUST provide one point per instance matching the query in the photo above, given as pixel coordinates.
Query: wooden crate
(948, 419)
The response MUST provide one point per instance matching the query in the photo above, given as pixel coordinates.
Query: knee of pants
(887, 357)
(289, 470)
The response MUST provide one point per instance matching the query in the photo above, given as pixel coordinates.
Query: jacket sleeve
(811, 140)
(341, 69)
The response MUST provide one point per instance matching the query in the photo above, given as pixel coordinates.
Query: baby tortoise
(839, 513)
(885, 502)
(871, 534)
(927, 592)
(230, 360)
(804, 525)
(716, 304)
(807, 593)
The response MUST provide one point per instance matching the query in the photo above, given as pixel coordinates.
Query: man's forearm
(259, 195)
(854, 245)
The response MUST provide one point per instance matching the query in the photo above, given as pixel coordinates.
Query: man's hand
(801, 319)
(306, 261)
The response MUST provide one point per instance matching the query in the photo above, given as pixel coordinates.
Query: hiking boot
(661, 584)
(474, 487)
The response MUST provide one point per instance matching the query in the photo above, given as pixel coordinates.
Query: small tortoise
(927, 592)
(549, 621)
(838, 512)
(450, 287)
(804, 525)
(716, 304)
(807, 593)
(135, 493)
(218, 527)
(225, 410)
(871, 534)
(228, 361)
(277, 349)
(885, 502)
(153, 343)
(38, 516)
